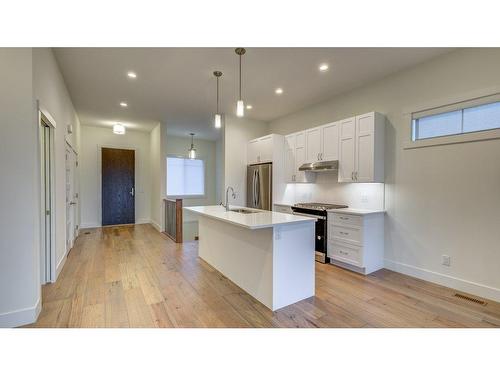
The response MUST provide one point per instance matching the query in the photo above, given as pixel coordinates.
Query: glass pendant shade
(218, 121)
(240, 108)
(192, 150)
(192, 153)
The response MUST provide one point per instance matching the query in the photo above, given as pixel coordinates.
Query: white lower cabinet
(356, 241)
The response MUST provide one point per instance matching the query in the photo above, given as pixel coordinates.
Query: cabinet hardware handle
(352, 175)
(344, 233)
(344, 218)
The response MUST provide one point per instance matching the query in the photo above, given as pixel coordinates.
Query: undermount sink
(243, 211)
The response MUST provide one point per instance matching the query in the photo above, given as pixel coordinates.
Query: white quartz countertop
(259, 219)
(355, 211)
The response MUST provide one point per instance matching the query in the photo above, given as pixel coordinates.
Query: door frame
(99, 176)
(48, 272)
(74, 218)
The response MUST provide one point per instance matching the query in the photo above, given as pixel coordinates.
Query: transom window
(185, 177)
(463, 118)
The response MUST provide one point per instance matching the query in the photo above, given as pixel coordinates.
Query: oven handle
(309, 215)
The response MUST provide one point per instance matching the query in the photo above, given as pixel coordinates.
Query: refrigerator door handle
(253, 188)
(258, 189)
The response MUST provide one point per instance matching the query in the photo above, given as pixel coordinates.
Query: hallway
(133, 276)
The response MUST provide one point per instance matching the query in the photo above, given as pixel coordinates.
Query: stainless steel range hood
(320, 166)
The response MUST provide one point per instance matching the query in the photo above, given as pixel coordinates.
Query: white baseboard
(156, 225)
(20, 317)
(467, 286)
(90, 225)
(98, 225)
(60, 266)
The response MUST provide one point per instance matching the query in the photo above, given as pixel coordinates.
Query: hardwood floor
(132, 276)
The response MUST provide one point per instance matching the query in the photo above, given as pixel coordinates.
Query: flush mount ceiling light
(240, 106)
(218, 116)
(249, 106)
(192, 150)
(123, 104)
(118, 129)
(278, 91)
(323, 67)
(131, 75)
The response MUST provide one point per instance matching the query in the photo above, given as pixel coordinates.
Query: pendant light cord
(240, 77)
(217, 94)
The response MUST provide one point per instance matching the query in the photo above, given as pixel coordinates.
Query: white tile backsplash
(327, 189)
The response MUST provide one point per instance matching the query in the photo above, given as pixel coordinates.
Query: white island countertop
(259, 219)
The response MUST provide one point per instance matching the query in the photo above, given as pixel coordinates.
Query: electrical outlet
(446, 260)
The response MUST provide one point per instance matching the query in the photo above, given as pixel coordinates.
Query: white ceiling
(176, 85)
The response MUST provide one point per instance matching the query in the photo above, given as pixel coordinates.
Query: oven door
(320, 238)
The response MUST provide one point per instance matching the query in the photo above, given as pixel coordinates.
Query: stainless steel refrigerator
(260, 186)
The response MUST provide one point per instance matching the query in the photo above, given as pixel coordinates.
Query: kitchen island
(268, 254)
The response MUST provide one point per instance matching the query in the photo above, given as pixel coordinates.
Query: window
(185, 177)
(457, 119)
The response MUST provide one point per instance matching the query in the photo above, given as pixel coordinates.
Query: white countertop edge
(355, 211)
(234, 221)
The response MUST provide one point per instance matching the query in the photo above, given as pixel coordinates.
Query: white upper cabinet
(265, 147)
(252, 151)
(322, 143)
(362, 148)
(313, 145)
(330, 141)
(261, 150)
(295, 156)
(290, 158)
(347, 150)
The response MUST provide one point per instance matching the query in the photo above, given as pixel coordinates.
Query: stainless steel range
(318, 211)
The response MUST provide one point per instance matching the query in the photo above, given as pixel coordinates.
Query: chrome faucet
(227, 197)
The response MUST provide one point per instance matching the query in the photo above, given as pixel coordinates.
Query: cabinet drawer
(350, 235)
(345, 253)
(350, 220)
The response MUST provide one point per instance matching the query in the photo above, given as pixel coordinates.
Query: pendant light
(218, 116)
(240, 106)
(192, 150)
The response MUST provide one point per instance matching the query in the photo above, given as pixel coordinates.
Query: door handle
(132, 192)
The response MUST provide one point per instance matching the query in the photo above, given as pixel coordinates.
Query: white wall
(90, 171)
(19, 197)
(219, 170)
(155, 164)
(439, 200)
(238, 131)
(51, 92)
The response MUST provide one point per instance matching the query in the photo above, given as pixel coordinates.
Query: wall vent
(470, 299)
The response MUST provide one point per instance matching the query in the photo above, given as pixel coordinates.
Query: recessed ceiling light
(249, 106)
(323, 67)
(123, 104)
(132, 75)
(279, 91)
